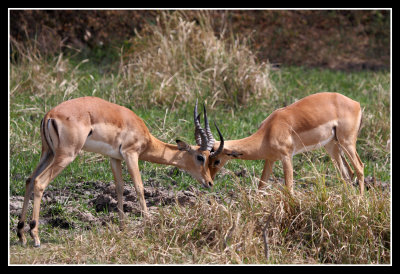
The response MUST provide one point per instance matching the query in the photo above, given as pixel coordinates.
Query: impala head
(218, 154)
(196, 163)
(216, 163)
(202, 154)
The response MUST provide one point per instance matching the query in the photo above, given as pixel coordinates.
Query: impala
(93, 124)
(324, 119)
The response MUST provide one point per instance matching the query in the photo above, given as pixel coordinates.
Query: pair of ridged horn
(204, 137)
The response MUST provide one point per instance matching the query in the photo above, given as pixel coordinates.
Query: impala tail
(50, 133)
(50, 140)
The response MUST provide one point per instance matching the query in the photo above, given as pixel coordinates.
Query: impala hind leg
(266, 173)
(45, 160)
(116, 168)
(39, 184)
(345, 170)
(350, 151)
(132, 161)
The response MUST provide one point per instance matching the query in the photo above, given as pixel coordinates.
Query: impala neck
(163, 153)
(249, 148)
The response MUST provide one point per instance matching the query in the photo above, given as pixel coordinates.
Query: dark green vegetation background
(337, 39)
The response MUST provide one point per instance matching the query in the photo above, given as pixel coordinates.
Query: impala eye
(217, 162)
(200, 158)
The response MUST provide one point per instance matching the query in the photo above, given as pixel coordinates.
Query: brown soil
(101, 197)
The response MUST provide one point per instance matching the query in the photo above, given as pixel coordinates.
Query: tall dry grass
(325, 226)
(43, 77)
(35, 79)
(173, 61)
(177, 59)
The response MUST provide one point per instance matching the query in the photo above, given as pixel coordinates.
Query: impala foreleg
(132, 161)
(288, 172)
(266, 173)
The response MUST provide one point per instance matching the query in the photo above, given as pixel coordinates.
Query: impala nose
(208, 184)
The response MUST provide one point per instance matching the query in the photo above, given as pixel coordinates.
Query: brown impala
(95, 125)
(324, 119)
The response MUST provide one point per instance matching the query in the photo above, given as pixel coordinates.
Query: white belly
(102, 148)
(322, 141)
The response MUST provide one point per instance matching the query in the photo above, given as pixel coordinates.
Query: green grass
(293, 83)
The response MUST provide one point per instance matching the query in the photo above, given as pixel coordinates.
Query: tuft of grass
(176, 60)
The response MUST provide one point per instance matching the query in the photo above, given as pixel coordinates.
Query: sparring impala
(324, 119)
(93, 124)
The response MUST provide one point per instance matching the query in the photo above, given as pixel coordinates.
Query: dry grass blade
(265, 235)
(228, 235)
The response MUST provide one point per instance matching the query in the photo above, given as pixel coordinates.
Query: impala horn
(221, 144)
(199, 133)
(210, 137)
(204, 137)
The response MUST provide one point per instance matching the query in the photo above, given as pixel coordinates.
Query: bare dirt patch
(85, 204)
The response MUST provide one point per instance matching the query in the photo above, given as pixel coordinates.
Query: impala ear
(183, 146)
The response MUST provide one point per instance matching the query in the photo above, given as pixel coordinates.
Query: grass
(319, 227)
(327, 222)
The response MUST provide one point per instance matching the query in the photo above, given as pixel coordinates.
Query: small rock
(104, 201)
